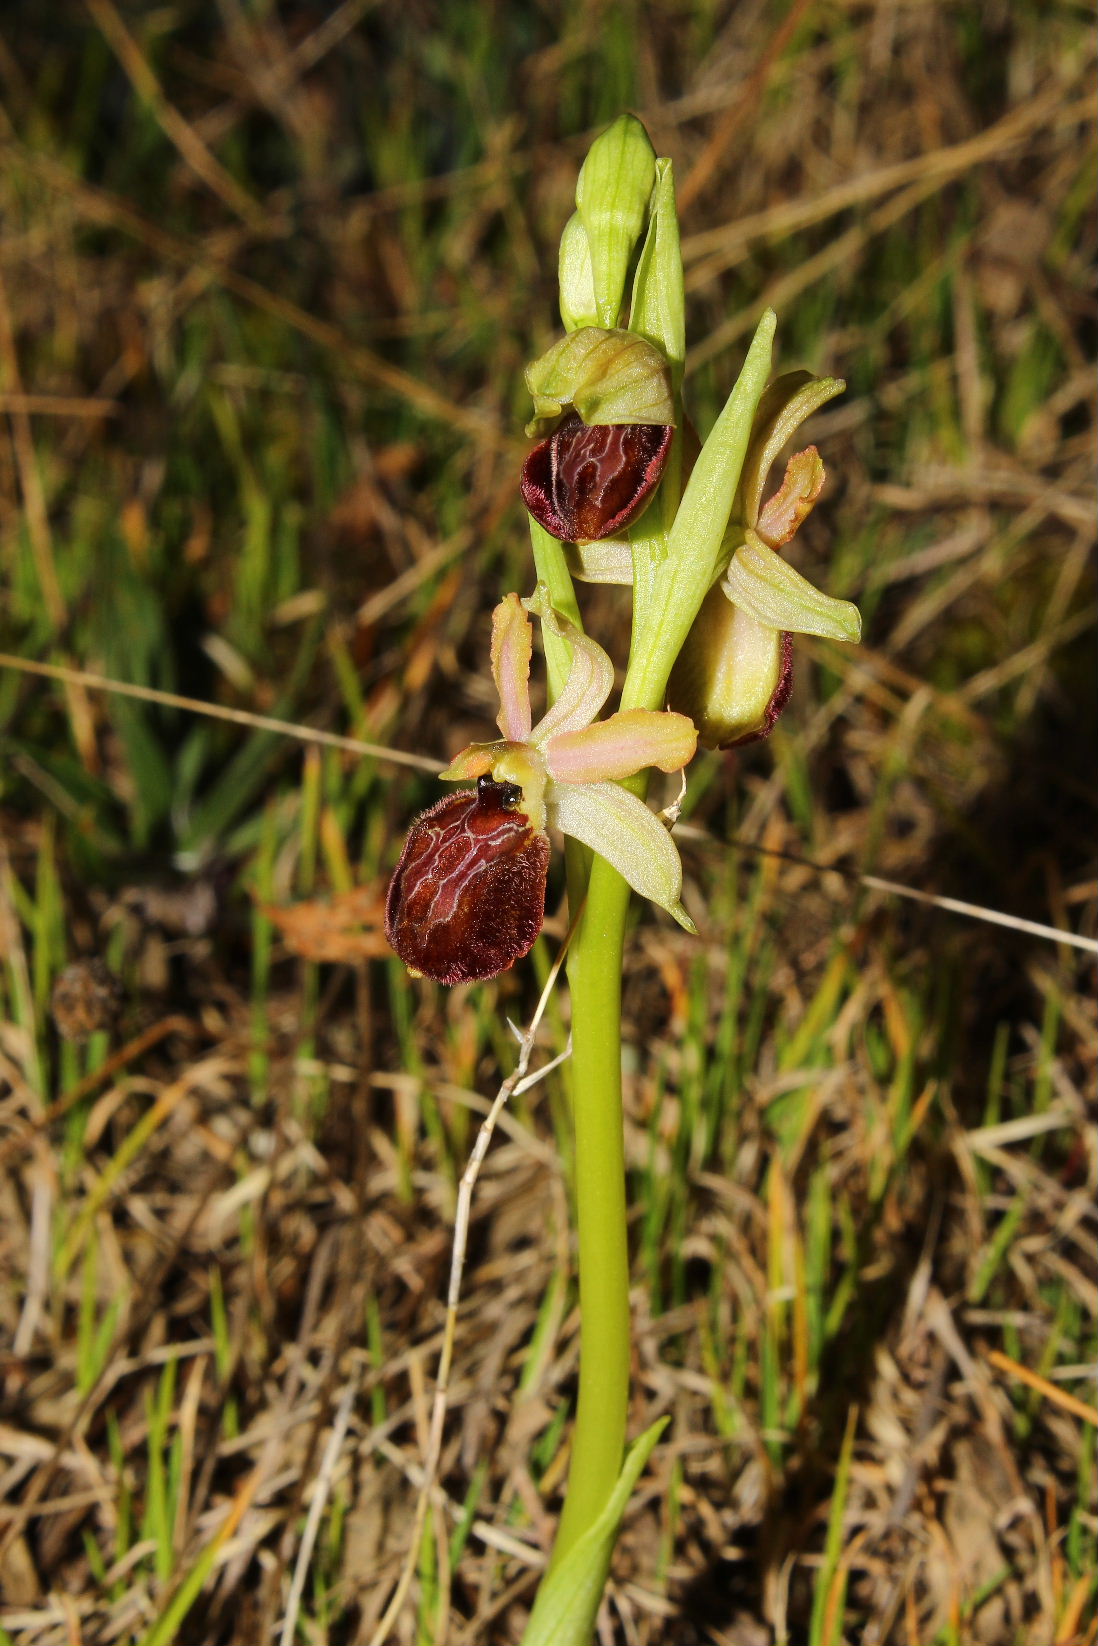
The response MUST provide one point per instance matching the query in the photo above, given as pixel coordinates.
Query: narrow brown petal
(468, 896)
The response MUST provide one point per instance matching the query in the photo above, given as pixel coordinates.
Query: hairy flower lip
(467, 898)
(583, 483)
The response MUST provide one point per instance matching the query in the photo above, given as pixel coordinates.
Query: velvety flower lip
(583, 484)
(604, 407)
(467, 898)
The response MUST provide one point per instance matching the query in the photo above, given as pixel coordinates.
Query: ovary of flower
(568, 766)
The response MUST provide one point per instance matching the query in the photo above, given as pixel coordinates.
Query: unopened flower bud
(612, 194)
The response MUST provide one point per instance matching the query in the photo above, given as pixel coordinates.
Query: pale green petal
(607, 561)
(577, 286)
(759, 581)
(622, 829)
(590, 679)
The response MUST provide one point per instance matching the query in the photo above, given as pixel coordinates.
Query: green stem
(594, 976)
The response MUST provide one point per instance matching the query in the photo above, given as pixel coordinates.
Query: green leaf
(568, 1600)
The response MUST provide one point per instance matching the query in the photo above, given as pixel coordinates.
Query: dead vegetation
(268, 280)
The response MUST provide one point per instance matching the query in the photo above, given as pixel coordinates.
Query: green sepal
(658, 309)
(567, 1602)
(759, 581)
(607, 376)
(619, 826)
(612, 194)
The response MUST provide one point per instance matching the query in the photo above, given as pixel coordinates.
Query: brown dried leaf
(347, 927)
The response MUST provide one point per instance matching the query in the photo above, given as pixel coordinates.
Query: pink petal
(512, 644)
(622, 745)
(590, 679)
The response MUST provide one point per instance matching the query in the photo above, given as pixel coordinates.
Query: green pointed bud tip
(609, 377)
(612, 194)
(760, 582)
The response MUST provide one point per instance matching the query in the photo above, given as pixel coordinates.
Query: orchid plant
(618, 490)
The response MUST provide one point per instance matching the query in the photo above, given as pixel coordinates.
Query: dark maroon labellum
(468, 896)
(587, 482)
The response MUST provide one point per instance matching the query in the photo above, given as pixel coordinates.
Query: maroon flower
(468, 896)
(585, 482)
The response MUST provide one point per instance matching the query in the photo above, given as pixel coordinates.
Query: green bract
(657, 311)
(568, 1600)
